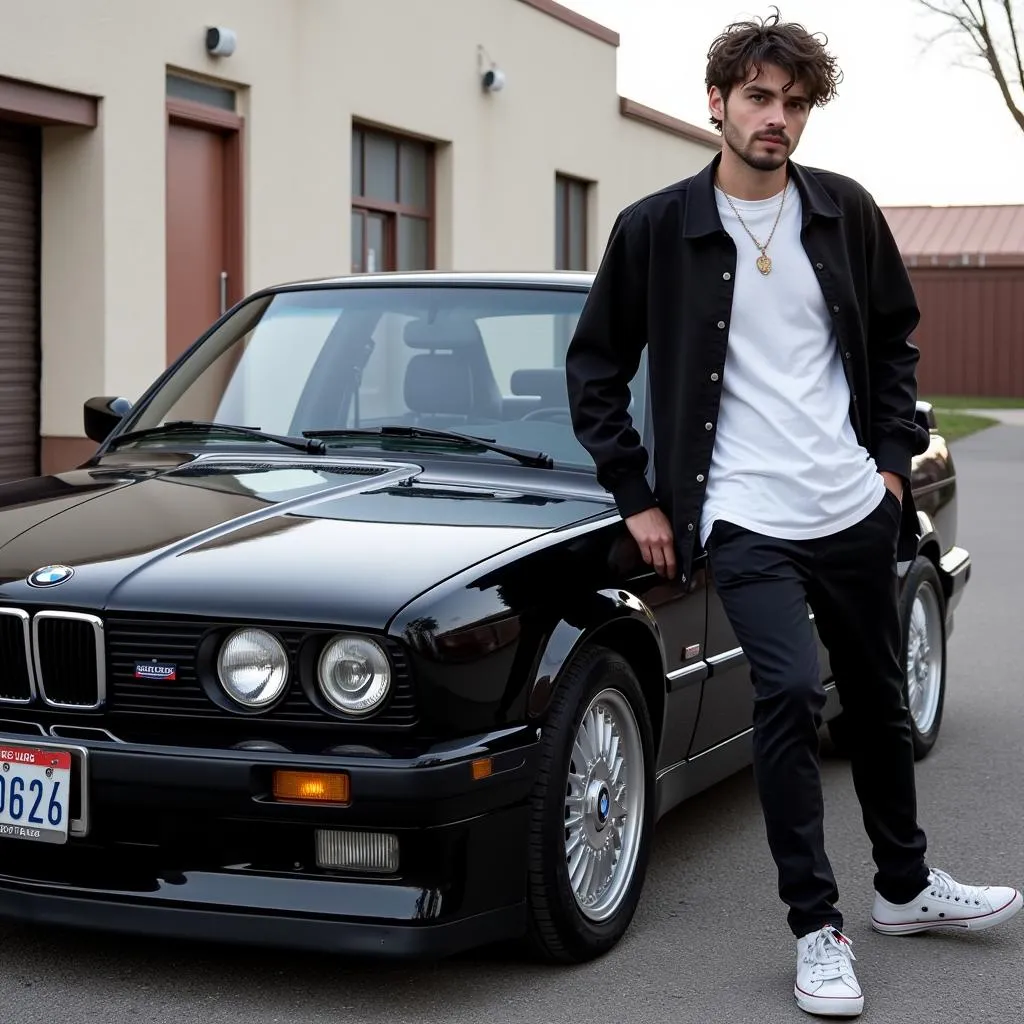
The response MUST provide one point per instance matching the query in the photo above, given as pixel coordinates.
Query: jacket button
(700, 478)
(820, 266)
(835, 309)
(727, 276)
(714, 376)
(721, 325)
(689, 527)
(708, 426)
(847, 354)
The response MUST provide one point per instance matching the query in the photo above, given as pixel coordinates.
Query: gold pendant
(764, 263)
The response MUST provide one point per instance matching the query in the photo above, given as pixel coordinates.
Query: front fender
(931, 542)
(613, 615)
(928, 535)
(953, 563)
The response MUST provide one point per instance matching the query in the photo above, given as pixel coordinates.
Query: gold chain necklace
(764, 261)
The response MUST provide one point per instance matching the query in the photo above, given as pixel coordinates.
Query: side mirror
(102, 415)
(924, 416)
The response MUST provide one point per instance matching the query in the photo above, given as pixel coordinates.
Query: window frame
(367, 206)
(565, 185)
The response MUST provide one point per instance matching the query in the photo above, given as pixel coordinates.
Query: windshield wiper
(527, 458)
(302, 444)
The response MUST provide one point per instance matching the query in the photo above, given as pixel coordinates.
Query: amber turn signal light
(311, 787)
(482, 768)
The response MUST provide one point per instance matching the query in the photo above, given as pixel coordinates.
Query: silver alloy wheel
(924, 657)
(604, 805)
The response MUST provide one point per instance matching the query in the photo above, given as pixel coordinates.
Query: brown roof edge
(970, 261)
(950, 235)
(668, 123)
(43, 104)
(568, 17)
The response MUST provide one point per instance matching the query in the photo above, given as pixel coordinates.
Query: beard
(744, 149)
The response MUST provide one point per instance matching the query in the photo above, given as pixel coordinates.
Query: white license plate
(35, 791)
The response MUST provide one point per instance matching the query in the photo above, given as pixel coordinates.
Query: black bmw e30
(336, 642)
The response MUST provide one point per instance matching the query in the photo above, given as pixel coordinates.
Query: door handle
(223, 292)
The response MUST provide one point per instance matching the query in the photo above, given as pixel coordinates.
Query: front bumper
(190, 843)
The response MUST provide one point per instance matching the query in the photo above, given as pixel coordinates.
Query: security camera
(220, 42)
(494, 80)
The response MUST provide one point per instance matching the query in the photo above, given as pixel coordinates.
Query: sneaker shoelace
(831, 954)
(943, 885)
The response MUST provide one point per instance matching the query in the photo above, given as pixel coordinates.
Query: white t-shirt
(786, 461)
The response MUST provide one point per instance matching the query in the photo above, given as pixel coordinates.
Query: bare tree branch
(971, 22)
(977, 17)
(1014, 41)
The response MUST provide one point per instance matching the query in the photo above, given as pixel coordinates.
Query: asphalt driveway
(709, 943)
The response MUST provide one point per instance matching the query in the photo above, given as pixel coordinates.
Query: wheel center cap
(598, 804)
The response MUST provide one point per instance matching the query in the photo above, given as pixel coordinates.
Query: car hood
(347, 542)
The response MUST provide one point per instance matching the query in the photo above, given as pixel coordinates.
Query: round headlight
(253, 667)
(354, 674)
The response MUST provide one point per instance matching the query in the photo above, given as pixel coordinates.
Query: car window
(274, 362)
(538, 340)
(481, 360)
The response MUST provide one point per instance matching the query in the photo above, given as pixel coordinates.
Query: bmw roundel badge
(51, 576)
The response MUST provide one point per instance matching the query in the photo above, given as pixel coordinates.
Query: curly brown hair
(745, 46)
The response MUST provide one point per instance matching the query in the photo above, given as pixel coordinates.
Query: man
(777, 313)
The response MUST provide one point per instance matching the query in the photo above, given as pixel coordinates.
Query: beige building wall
(304, 69)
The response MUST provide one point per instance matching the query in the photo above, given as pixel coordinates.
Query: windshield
(478, 360)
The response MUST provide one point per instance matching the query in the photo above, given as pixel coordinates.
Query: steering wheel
(556, 414)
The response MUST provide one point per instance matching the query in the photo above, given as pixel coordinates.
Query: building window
(392, 202)
(571, 197)
(180, 88)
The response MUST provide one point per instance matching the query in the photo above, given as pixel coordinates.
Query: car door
(680, 611)
(727, 698)
(727, 695)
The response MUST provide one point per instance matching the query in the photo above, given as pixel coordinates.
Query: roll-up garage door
(19, 300)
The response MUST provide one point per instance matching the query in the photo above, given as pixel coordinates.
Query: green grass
(955, 425)
(973, 402)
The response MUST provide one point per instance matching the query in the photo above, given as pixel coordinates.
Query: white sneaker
(825, 982)
(946, 903)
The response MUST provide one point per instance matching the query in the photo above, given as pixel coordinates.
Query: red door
(19, 300)
(200, 197)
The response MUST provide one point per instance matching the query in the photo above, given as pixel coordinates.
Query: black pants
(849, 580)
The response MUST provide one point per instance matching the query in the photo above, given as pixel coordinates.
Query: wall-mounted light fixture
(492, 78)
(220, 42)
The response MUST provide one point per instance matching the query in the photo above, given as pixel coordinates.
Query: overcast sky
(913, 128)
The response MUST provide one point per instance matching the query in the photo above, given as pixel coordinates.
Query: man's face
(761, 123)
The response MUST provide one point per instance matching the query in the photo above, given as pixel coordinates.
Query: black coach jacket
(666, 283)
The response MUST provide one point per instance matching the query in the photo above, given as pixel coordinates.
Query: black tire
(558, 931)
(922, 578)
